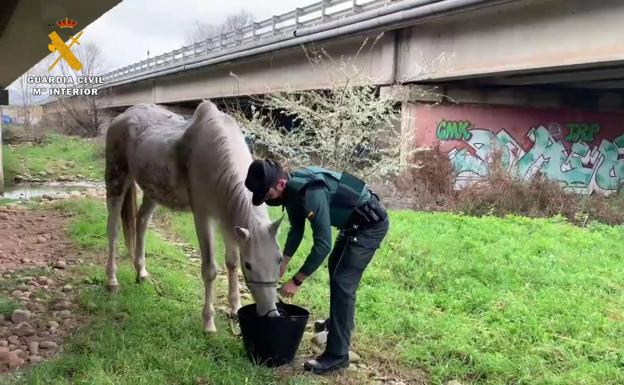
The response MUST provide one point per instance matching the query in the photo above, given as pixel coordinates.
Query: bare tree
(84, 111)
(202, 31)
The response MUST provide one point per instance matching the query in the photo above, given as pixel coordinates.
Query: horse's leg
(204, 228)
(145, 214)
(232, 261)
(116, 191)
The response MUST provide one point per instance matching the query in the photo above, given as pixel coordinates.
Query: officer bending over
(326, 198)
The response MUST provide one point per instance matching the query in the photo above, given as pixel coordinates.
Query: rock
(33, 347)
(62, 196)
(61, 305)
(41, 239)
(4, 343)
(60, 264)
(16, 293)
(354, 358)
(121, 316)
(11, 359)
(35, 359)
(43, 333)
(48, 345)
(47, 197)
(75, 194)
(20, 353)
(20, 315)
(13, 340)
(23, 329)
(68, 288)
(4, 349)
(320, 338)
(64, 314)
(4, 216)
(45, 281)
(53, 324)
(453, 382)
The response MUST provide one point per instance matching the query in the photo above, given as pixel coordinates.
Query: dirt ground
(38, 301)
(31, 238)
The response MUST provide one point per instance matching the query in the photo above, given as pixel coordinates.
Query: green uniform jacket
(309, 194)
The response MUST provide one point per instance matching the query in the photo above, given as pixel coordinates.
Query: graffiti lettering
(453, 130)
(582, 132)
(584, 169)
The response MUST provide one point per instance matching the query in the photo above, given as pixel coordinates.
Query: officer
(326, 198)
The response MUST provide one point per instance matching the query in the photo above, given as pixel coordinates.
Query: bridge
(564, 44)
(484, 64)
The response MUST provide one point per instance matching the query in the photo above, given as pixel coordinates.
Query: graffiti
(582, 132)
(453, 130)
(584, 168)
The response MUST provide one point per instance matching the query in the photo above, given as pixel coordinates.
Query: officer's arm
(317, 205)
(295, 233)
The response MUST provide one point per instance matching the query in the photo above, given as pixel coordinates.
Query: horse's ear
(273, 227)
(242, 233)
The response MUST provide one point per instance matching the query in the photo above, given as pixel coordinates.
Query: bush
(428, 184)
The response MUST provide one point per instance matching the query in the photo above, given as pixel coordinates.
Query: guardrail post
(355, 8)
(324, 4)
(298, 13)
(254, 26)
(239, 36)
(275, 20)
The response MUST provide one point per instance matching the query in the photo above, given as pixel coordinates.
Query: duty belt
(367, 215)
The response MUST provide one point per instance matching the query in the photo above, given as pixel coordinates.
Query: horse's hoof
(141, 280)
(112, 288)
(210, 328)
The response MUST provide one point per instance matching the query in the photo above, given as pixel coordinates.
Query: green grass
(7, 306)
(58, 157)
(140, 336)
(487, 300)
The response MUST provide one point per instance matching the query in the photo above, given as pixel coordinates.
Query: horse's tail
(128, 218)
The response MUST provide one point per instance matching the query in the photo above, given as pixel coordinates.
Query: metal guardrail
(324, 11)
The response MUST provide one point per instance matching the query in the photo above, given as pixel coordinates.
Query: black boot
(326, 363)
(322, 325)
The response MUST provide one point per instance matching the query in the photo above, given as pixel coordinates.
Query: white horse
(198, 165)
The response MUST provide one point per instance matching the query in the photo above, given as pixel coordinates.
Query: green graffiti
(453, 130)
(585, 168)
(582, 132)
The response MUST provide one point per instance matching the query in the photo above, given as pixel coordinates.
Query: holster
(368, 214)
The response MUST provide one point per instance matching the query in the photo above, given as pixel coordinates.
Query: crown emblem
(67, 23)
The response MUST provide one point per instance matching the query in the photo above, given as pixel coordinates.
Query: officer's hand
(283, 266)
(289, 289)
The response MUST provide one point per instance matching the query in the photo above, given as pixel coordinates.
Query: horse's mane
(229, 150)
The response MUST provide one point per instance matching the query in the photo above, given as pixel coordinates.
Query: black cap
(261, 176)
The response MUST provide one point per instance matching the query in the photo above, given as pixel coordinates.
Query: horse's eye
(247, 266)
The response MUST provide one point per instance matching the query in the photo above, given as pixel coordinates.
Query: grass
(59, 157)
(486, 300)
(7, 306)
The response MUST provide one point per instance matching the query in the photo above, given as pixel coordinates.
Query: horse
(200, 166)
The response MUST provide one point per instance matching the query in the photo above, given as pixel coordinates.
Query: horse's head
(260, 259)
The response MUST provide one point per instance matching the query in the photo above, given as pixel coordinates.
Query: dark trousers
(350, 256)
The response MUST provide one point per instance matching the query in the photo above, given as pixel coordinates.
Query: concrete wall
(285, 70)
(578, 148)
(526, 35)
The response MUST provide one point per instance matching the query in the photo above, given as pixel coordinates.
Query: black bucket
(272, 341)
